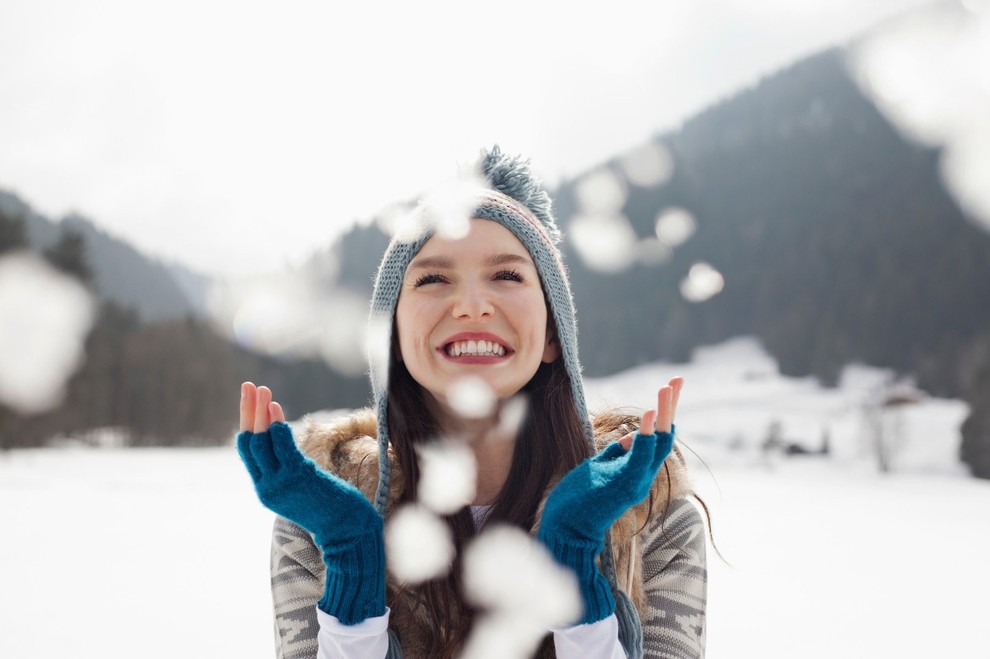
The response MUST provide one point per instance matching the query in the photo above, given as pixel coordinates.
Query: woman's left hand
(663, 416)
(596, 492)
(587, 501)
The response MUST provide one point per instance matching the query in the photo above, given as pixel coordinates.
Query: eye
(429, 278)
(508, 275)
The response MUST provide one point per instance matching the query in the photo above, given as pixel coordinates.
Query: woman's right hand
(344, 524)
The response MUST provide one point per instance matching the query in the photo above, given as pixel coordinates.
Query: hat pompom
(511, 175)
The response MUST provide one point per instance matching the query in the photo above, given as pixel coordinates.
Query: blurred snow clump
(928, 74)
(702, 283)
(45, 317)
(471, 397)
(522, 589)
(418, 545)
(447, 476)
(294, 314)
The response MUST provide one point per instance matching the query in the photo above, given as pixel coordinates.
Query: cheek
(412, 323)
(534, 309)
(403, 322)
(538, 308)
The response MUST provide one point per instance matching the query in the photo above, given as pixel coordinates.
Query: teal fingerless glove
(343, 522)
(585, 504)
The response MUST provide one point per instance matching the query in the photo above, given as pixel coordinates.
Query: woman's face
(473, 307)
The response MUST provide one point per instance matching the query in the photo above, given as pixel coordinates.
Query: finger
(244, 450)
(676, 384)
(261, 420)
(646, 422)
(263, 452)
(664, 410)
(626, 441)
(249, 394)
(275, 413)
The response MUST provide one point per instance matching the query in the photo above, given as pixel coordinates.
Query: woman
(494, 304)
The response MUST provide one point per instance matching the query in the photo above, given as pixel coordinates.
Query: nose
(472, 302)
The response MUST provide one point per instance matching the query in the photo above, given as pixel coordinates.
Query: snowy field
(164, 553)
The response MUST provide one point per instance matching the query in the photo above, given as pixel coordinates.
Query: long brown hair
(550, 441)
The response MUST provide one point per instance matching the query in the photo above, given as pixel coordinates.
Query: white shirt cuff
(367, 639)
(596, 640)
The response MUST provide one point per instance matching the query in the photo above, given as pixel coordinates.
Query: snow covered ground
(164, 553)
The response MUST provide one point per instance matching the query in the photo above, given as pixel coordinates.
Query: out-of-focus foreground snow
(164, 553)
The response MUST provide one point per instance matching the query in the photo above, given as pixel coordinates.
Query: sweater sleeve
(675, 580)
(298, 575)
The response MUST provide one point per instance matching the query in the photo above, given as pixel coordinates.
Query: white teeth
(483, 348)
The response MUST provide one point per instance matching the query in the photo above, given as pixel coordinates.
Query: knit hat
(511, 196)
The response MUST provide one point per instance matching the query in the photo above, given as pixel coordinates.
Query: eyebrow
(445, 262)
(432, 262)
(503, 259)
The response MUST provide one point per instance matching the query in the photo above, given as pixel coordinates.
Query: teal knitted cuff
(355, 585)
(596, 594)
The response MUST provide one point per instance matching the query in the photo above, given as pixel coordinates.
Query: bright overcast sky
(236, 137)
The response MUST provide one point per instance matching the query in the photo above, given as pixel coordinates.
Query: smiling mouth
(474, 348)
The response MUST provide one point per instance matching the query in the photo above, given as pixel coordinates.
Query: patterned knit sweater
(659, 550)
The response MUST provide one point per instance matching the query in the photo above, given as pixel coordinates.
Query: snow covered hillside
(164, 553)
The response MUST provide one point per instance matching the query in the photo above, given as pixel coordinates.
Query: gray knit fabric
(674, 581)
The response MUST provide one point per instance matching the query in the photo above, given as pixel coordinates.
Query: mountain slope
(121, 273)
(835, 236)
